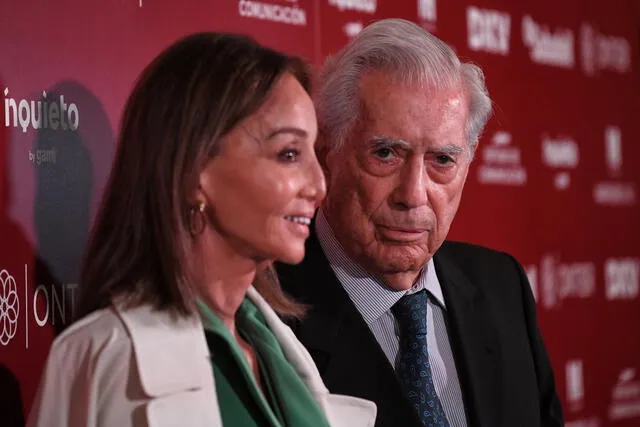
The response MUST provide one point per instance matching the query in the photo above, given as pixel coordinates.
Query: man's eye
(288, 155)
(443, 159)
(384, 153)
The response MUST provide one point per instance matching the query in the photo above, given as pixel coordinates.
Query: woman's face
(262, 189)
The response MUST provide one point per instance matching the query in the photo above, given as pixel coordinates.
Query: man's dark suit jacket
(502, 364)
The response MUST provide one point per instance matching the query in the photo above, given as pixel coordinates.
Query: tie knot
(411, 313)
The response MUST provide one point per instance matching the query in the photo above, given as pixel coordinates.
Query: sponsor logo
(364, 6)
(625, 396)
(42, 307)
(47, 113)
(501, 163)
(601, 52)
(622, 278)
(574, 376)
(43, 156)
(427, 14)
(9, 307)
(281, 11)
(488, 30)
(612, 192)
(613, 150)
(547, 47)
(560, 153)
(352, 29)
(584, 422)
(562, 280)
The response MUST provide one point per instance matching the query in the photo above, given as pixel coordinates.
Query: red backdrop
(555, 180)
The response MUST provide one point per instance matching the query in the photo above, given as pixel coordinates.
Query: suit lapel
(475, 343)
(345, 351)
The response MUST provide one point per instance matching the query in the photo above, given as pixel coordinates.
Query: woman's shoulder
(97, 332)
(89, 362)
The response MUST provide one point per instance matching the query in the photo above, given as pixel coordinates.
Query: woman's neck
(224, 296)
(223, 275)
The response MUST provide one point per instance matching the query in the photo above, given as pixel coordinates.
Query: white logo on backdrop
(427, 10)
(574, 376)
(9, 307)
(46, 113)
(501, 164)
(352, 29)
(364, 6)
(613, 149)
(546, 47)
(427, 14)
(284, 12)
(622, 278)
(612, 192)
(601, 52)
(561, 280)
(48, 302)
(584, 422)
(560, 153)
(625, 396)
(488, 30)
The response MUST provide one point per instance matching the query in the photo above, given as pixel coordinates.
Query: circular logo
(9, 307)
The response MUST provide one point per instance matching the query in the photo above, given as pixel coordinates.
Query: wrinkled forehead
(413, 113)
(383, 98)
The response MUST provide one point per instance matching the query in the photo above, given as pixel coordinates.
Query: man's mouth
(401, 234)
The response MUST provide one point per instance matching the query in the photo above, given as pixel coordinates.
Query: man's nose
(411, 190)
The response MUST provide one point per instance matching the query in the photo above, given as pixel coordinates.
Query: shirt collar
(369, 294)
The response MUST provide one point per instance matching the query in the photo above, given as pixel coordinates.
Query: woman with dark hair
(215, 178)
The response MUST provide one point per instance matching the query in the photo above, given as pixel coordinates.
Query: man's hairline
(338, 146)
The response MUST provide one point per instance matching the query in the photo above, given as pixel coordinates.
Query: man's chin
(398, 260)
(394, 266)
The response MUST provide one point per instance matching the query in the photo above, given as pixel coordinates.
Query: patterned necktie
(413, 368)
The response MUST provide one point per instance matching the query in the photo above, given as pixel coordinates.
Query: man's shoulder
(470, 251)
(476, 260)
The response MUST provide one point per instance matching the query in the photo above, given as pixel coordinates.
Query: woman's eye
(288, 155)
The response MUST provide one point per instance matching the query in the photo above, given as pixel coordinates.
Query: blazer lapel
(474, 342)
(345, 351)
(173, 368)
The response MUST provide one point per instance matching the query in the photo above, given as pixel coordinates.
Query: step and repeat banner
(555, 180)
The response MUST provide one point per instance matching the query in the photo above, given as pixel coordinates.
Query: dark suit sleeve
(550, 407)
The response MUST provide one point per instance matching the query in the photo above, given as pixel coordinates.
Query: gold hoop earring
(197, 220)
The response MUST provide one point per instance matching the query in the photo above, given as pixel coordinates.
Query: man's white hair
(408, 54)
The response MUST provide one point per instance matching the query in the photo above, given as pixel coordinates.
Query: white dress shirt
(374, 301)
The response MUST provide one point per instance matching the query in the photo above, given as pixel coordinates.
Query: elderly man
(437, 333)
